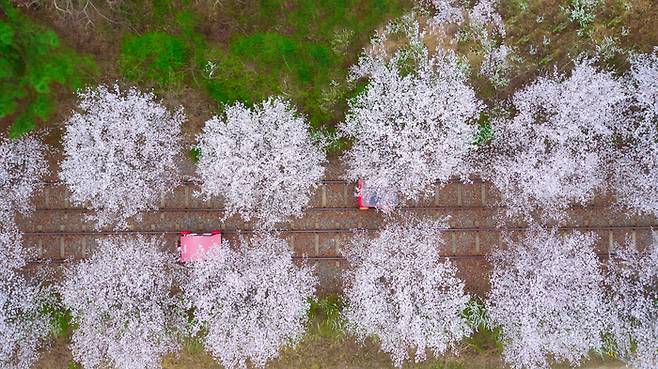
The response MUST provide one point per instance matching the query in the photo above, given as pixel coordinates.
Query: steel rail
(332, 208)
(311, 209)
(479, 257)
(310, 258)
(187, 182)
(338, 230)
(295, 257)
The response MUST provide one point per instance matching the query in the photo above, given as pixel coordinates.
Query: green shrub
(279, 54)
(166, 56)
(32, 62)
(581, 12)
(234, 81)
(485, 131)
(259, 65)
(486, 336)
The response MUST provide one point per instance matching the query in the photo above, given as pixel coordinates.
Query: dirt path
(315, 353)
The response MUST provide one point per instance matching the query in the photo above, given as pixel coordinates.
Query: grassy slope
(249, 51)
(302, 49)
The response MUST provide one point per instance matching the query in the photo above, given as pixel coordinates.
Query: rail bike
(196, 246)
(369, 198)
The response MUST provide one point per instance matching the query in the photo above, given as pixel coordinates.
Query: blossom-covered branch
(635, 174)
(547, 297)
(412, 126)
(553, 153)
(251, 301)
(398, 291)
(121, 153)
(23, 325)
(123, 305)
(633, 298)
(22, 168)
(262, 161)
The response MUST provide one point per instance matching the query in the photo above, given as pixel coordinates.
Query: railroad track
(324, 243)
(333, 195)
(320, 247)
(472, 269)
(296, 257)
(57, 229)
(310, 209)
(328, 208)
(189, 182)
(582, 228)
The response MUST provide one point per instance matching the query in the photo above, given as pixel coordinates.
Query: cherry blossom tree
(483, 16)
(123, 305)
(399, 291)
(23, 325)
(547, 297)
(22, 168)
(444, 11)
(261, 160)
(121, 153)
(635, 174)
(251, 301)
(13, 254)
(411, 126)
(484, 24)
(553, 152)
(633, 296)
(486, 20)
(496, 66)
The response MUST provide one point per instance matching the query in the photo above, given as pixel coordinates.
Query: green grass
(567, 38)
(61, 320)
(485, 337)
(156, 57)
(194, 154)
(485, 131)
(485, 341)
(301, 50)
(325, 319)
(192, 345)
(446, 365)
(306, 55)
(33, 66)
